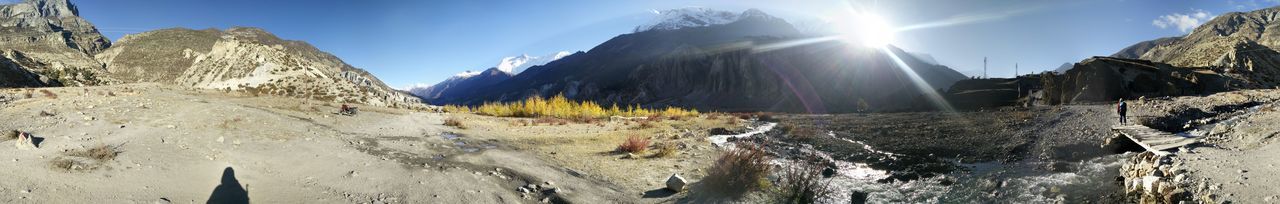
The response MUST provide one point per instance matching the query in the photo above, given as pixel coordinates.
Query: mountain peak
(517, 64)
(697, 17)
(58, 8)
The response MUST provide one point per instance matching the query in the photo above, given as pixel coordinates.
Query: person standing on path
(1121, 108)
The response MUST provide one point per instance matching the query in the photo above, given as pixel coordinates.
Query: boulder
(676, 183)
(858, 197)
(25, 141)
(1150, 184)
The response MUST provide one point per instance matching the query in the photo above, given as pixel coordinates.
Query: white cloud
(1182, 22)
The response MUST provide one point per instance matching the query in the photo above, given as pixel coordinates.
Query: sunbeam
(928, 91)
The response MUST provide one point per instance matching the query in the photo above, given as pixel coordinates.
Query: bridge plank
(1153, 140)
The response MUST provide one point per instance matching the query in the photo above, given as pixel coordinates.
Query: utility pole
(1015, 70)
(984, 67)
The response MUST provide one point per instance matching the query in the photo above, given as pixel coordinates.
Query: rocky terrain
(150, 142)
(47, 43)
(1241, 45)
(1235, 160)
(245, 59)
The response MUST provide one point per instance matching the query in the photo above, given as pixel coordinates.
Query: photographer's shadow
(230, 190)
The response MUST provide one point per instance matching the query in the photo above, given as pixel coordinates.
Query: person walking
(1121, 108)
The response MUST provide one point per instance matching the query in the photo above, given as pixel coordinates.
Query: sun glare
(872, 30)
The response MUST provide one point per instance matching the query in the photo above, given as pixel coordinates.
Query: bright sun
(872, 30)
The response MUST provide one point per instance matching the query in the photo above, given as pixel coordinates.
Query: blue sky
(410, 42)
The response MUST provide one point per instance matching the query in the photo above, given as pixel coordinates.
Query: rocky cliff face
(1105, 79)
(245, 59)
(728, 67)
(1239, 45)
(47, 40)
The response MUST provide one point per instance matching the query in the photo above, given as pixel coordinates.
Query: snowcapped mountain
(469, 81)
(695, 17)
(517, 64)
(681, 60)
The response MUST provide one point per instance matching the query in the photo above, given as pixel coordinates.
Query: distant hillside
(460, 85)
(1241, 45)
(244, 59)
(713, 66)
(1136, 50)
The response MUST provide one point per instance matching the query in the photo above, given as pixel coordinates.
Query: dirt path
(181, 145)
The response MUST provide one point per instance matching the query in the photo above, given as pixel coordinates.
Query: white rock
(1150, 184)
(676, 183)
(221, 139)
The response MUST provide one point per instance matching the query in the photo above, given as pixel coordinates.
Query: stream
(1026, 181)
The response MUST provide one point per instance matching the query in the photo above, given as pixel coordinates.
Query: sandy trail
(180, 145)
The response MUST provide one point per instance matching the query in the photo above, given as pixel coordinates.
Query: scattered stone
(1150, 183)
(828, 172)
(676, 183)
(547, 190)
(89, 118)
(858, 197)
(25, 141)
(221, 139)
(631, 156)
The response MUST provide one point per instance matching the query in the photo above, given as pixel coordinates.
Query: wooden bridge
(1153, 140)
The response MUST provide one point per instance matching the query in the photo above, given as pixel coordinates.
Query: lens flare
(873, 31)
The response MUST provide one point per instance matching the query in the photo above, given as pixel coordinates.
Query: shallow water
(1088, 180)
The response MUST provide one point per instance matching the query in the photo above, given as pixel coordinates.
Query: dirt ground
(1238, 156)
(190, 146)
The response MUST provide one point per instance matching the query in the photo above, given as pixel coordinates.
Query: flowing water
(1088, 180)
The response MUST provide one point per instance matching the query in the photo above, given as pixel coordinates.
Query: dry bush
(48, 94)
(634, 144)
(64, 163)
(454, 122)
(100, 153)
(226, 124)
(667, 149)
(802, 183)
(645, 125)
(738, 172)
(766, 116)
(550, 121)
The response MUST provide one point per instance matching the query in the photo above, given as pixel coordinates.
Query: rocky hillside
(1104, 79)
(244, 59)
(728, 67)
(1136, 50)
(1241, 45)
(46, 43)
